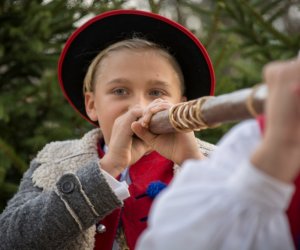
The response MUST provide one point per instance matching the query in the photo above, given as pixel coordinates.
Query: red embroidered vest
(134, 214)
(293, 211)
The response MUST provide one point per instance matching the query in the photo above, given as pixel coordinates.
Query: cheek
(183, 99)
(106, 120)
(176, 99)
(106, 128)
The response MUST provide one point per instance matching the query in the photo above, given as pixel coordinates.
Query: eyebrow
(151, 82)
(118, 80)
(159, 82)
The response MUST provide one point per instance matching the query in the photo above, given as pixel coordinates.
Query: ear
(90, 108)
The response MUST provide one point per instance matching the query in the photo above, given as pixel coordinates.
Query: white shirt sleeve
(120, 188)
(223, 202)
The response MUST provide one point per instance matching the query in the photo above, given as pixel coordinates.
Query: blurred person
(238, 197)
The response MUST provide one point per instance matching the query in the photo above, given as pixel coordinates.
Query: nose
(140, 100)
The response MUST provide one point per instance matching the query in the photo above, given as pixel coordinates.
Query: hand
(124, 147)
(176, 147)
(279, 152)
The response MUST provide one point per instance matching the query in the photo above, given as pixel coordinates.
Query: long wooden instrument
(208, 111)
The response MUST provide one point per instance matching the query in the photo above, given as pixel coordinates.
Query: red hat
(113, 26)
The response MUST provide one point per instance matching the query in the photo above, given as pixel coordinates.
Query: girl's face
(126, 78)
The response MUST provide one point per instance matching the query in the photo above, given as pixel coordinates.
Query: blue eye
(156, 93)
(120, 91)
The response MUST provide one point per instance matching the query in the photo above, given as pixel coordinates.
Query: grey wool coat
(60, 198)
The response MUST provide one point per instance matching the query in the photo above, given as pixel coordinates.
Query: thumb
(143, 133)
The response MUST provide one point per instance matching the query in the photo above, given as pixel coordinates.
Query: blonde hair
(130, 44)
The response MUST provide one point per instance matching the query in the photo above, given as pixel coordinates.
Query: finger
(281, 71)
(143, 133)
(271, 71)
(296, 89)
(146, 118)
(124, 121)
(154, 104)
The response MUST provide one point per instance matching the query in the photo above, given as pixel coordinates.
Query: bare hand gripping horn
(210, 111)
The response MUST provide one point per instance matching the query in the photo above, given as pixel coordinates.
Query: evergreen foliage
(33, 111)
(241, 36)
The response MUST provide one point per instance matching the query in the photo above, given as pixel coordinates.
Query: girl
(96, 192)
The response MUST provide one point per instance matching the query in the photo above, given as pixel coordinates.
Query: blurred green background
(240, 35)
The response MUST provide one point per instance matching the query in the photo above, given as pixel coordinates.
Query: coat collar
(55, 156)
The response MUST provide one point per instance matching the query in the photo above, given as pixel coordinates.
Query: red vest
(293, 211)
(134, 213)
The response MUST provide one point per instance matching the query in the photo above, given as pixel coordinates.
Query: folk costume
(148, 177)
(65, 199)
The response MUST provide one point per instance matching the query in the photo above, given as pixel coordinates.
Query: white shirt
(223, 202)
(120, 188)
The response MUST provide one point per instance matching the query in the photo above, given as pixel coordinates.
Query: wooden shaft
(221, 109)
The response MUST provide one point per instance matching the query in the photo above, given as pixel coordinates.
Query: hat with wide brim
(113, 26)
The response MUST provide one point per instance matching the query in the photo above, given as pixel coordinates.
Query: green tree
(32, 108)
(241, 36)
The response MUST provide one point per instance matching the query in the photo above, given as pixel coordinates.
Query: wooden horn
(212, 111)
